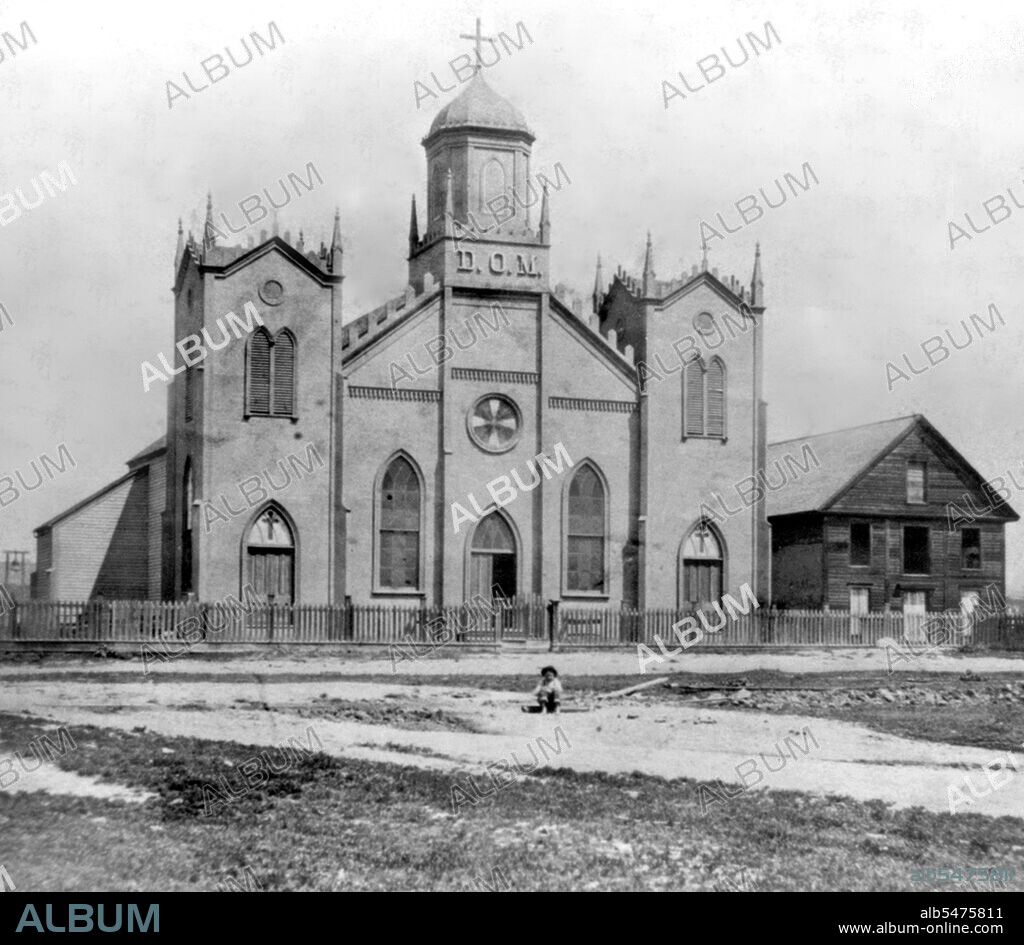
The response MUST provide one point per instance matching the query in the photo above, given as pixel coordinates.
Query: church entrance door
(270, 570)
(493, 569)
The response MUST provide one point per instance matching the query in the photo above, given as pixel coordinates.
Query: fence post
(553, 628)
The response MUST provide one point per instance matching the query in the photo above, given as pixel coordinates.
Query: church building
(484, 432)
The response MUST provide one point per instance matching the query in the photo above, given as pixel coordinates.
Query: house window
(915, 483)
(969, 603)
(270, 375)
(586, 532)
(704, 398)
(399, 534)
(916, 555)
(860, 544)
(860, 600)
(970, 549)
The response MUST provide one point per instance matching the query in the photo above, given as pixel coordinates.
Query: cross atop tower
(478, 40)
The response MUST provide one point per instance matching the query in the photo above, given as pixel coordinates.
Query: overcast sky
(907, 113)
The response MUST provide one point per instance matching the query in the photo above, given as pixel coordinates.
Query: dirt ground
(366, 661)
(446, 727)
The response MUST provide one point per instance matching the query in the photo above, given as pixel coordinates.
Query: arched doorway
(270, 558)
(493, 563)
(701, 565)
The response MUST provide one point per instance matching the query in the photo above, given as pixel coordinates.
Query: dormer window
(916, 483)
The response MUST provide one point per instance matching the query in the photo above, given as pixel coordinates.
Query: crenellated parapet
(580, 307)
(366, 327)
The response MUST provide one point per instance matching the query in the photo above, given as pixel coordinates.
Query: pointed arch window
(586, 533)
(190, 393)
(715, 398)
(399, 517)
(693, 398)
(270, 374)
(282, 374)
(493, 182)
(257, 401)
(704, 400)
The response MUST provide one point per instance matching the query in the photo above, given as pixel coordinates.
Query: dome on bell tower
(479, 106)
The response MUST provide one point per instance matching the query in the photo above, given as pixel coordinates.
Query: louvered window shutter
(284, 375)
(694, 399)
(259, 374)
(716, 399)
(190, 380)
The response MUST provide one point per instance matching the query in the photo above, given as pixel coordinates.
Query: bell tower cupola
(483, 212)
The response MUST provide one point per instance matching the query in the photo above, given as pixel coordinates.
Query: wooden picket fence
(522, 619)
(141, 622)
(590, 627)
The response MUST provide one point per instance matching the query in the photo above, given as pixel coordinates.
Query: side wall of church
(685, 472)
(103, 548)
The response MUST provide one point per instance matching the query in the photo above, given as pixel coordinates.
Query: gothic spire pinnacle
(336, 234)
(648, 276)
(756, 282)
(180, 248)
(704, 255)
(336, 253)
(414, 227)
(301, 244)
(598, 286)
(209, 230)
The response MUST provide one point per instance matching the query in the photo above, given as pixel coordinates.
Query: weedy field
(186, 780)
(338, 824)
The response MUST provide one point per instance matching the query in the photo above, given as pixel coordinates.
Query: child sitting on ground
(548, 693)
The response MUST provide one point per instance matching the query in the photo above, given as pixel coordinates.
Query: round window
(494, 423)
(704, 323)
(272, 292)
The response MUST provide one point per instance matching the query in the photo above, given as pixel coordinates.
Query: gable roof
(78, 506)
(138, 465)
(223, 261)
(846, 456)
(158, 446)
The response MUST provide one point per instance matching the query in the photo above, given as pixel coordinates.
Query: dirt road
(772, 751)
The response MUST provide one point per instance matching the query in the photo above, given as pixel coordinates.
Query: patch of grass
(999, 727)
(336, 823)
